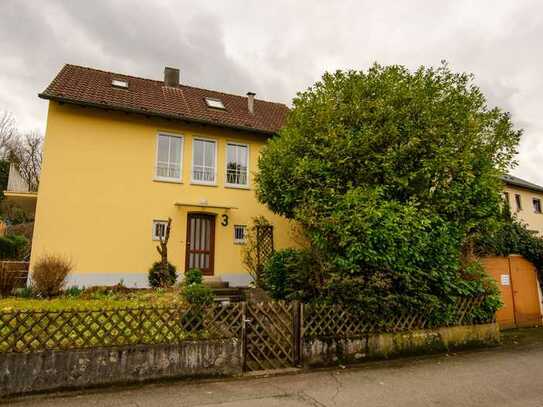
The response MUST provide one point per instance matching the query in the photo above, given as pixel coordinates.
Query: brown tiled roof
(92, 87)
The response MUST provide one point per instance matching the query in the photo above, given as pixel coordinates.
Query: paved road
(499, 377)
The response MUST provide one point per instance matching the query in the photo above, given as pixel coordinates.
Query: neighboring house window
(537, 205)
(168, 160)
(506, 197)
(159, 229)
(518, 202)
(239, 233)
(203, 161)
(237, 164)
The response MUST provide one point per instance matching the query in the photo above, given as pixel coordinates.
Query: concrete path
(510, 376)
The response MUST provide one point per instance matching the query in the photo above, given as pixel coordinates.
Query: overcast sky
(276, 48)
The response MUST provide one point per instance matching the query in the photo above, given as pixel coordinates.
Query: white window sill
(234, 186)
(204, 184)
(169, 180)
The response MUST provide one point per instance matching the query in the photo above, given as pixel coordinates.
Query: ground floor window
(239, 234)
(159, 229)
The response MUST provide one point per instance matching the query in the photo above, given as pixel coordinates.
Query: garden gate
(271, 335)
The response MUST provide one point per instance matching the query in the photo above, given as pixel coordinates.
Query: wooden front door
(200, 251)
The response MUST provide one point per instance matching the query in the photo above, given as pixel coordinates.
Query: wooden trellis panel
(264, 243)
(271, 335)
(29, 331)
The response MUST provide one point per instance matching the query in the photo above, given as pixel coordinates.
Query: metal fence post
(244, 336)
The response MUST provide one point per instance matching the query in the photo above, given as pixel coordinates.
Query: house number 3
(224, 221)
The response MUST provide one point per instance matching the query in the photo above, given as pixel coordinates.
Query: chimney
(251, 102)
(171, 76)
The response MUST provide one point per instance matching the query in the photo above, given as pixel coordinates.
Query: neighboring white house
(18, 192)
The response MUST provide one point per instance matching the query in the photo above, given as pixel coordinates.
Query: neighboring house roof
(92, 87)
(518, 182)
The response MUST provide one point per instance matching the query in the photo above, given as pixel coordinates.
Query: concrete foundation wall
(322, 352)
(31, 372)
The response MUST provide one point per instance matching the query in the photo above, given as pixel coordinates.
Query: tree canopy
(393, 174)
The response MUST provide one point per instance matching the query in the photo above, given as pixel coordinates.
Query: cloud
(277, 48)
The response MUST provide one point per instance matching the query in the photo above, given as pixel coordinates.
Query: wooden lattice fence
(28, 331)
(271, 333)
(323, 321)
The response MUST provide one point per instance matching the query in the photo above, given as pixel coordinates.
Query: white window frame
(156, 222)
(226, 183)
(119, 83)
(198, 182)
(240, 241)
(214, 103)
(169, 179)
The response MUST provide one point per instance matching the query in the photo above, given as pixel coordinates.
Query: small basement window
(159, 229)
(214, 103)
(239, 234)
(119, 83)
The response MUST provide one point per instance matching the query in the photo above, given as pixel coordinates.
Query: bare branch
(7, 132)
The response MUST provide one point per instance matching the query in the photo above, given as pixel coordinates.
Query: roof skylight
(119, 83)
(214, 103)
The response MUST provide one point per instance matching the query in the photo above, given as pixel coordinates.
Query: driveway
(506, 376)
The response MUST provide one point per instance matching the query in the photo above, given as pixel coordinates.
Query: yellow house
(525, 200)
(123, 154)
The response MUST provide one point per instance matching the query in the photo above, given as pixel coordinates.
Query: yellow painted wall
(526, 214)
(98, 197)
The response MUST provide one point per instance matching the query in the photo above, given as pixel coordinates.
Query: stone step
(215, 282)
(229, 299)
(229, 294)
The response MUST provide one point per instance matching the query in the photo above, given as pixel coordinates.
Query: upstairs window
(168, 161)
(537, 205)
(214, 103)
(506, 198)
(518, 202)
(237, 164)
(204, 159)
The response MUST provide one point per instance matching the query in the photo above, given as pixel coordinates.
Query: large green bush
(289, 274)
(393, 175)
(384, 257)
